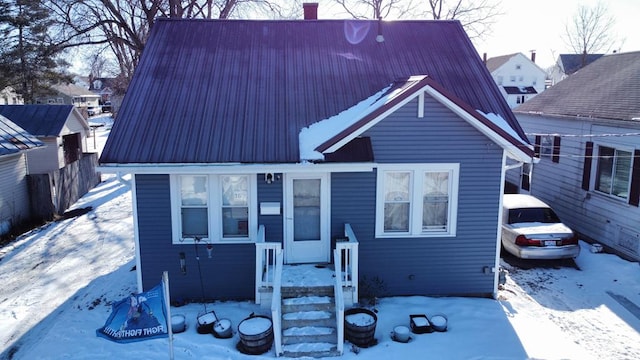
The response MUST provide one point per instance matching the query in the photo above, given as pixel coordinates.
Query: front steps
(309, 322)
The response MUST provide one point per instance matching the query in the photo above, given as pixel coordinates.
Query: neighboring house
(294, 134)
(587, 134)
(517, 76)
(15, 142)
(70, 94)
(567, 64)
(64, 132)
(8, 96)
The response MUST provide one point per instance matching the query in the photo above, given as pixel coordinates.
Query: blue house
(375, 147)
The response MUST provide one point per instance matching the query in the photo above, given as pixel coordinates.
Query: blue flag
(139, 317)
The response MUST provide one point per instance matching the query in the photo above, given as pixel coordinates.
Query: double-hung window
(613, 171)
(213, 208)
(417, 200)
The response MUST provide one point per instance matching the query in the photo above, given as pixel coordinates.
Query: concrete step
(309, 334)
(308, 303)
(308, 318)
(315, 350)
(298, 291)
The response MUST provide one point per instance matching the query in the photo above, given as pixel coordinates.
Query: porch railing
(276, 304)
(339, 298)
(266, 253)
(346, 261)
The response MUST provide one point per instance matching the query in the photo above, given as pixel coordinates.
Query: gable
(381, 105)
(39, 120)
(215, 98)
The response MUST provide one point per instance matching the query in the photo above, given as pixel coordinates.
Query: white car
(531, 230)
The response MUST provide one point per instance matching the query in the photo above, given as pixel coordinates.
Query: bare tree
(590, 31)
(476, 16)
(377, 9)
(124, 25)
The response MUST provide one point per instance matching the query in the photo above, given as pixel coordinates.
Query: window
(518, 66)
(417, 200)
(613, 171)
(213, 208)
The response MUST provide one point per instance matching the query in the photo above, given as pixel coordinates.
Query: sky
(59, 281)
(538, 25)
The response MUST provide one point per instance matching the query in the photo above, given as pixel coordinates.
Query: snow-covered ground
(58, 283)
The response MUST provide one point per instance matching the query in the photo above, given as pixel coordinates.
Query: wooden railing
(339, 298)
(347, 258)
(276, 304)
(266, 253)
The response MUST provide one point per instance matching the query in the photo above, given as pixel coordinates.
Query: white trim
(421, 105)
(372, 123)
(214, 206)
(234, 168)
(136, 232)
(415, 215)
(514, 151)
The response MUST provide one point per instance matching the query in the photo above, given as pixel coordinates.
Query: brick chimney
(533, 56)
(310, 11)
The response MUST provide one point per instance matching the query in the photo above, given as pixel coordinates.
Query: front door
(307, 218)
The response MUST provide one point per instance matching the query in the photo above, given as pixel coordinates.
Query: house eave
(235, 168)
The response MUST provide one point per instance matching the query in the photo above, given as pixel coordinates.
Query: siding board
(228, 274)
(427, 266)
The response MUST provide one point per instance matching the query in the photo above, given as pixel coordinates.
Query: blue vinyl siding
(271, 193)
(228, 274)
(427, 266)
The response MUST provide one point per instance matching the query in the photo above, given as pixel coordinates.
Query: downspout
(496, 265)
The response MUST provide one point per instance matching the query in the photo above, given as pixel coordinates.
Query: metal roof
(38, 120)
(240, 91)
(14, 139)
(608, 88)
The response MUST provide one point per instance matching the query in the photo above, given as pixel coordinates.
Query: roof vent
(310, 11)
(380, 37)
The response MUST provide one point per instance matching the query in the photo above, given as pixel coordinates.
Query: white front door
(307, 218)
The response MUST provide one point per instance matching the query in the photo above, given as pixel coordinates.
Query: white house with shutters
(517, 76)
(587, 136)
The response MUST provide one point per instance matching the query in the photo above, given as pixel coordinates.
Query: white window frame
(214, 205)
(596, 171)
(416, 202)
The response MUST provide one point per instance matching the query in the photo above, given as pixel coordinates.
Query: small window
(518, 66)
(235, 206)
(417, 200)
(613, 172)
(194, 213)
(213, 208)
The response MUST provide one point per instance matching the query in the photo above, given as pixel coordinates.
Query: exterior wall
(427, 266)
(228, 274)
(407, 266)
(596, 216)
(47, 158)
(14, 196)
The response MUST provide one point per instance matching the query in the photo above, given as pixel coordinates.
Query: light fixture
(183, 264)
(268, 178)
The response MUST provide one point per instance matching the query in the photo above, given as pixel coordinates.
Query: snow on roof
(317, 133)
(500, 122)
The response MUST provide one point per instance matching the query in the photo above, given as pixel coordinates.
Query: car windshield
(529, 215)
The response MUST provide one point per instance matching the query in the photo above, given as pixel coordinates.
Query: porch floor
(308, 275)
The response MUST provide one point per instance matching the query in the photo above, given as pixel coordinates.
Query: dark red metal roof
(219, 91)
